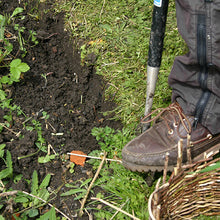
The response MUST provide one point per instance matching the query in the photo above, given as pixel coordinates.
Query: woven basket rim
(195, 167)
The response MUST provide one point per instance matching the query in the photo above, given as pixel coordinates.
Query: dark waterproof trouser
(195, 77)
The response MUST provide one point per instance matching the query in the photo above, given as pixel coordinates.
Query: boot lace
(174, 110)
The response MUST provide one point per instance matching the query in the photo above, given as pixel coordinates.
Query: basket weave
(192, 191)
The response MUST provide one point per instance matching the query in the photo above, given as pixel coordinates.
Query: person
(195, 83)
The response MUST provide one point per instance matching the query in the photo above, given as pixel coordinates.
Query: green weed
(8, 171)
(46, 158)
(51, 214)
(38, 197)
(77, 191)
(16, 66)
(112, 141)
(30, 204)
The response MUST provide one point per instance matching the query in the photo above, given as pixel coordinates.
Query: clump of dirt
(71, 94)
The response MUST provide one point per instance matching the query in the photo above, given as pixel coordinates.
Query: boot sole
(143, 168)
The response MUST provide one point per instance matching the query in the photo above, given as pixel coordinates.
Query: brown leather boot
(147, 151)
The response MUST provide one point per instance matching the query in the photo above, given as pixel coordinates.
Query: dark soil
(73, 97)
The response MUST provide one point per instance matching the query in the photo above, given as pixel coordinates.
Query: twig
(133, 212)
(158, 212)
(113, 85)
(118, 210)
(158, 184)
(91, 184)
(156, 197)
(57, 134)
(180, 155)
(189, 157)
(100, 15)
(115, 207)
(17, 134)
(54, 130)
(51, 35)
(76, 79)
(2, 184)
(36, 114)
(151, 214)
(89, 215)
(91, 157)
(165, 168)
(11, 38)
(28, 119)
(109, 64)
(8, 193)
(51, 147)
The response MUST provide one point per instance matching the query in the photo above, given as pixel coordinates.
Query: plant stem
(91, 184)
(29, 155)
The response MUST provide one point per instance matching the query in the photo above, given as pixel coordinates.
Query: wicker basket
(192, 190)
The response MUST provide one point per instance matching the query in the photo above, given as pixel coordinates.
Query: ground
(71, 94)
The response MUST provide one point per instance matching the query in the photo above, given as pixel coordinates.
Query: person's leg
(195, 77)
(195, 80)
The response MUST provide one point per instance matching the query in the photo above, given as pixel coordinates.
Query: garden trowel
(155, 52)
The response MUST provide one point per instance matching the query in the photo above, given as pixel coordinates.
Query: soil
(72, 95)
